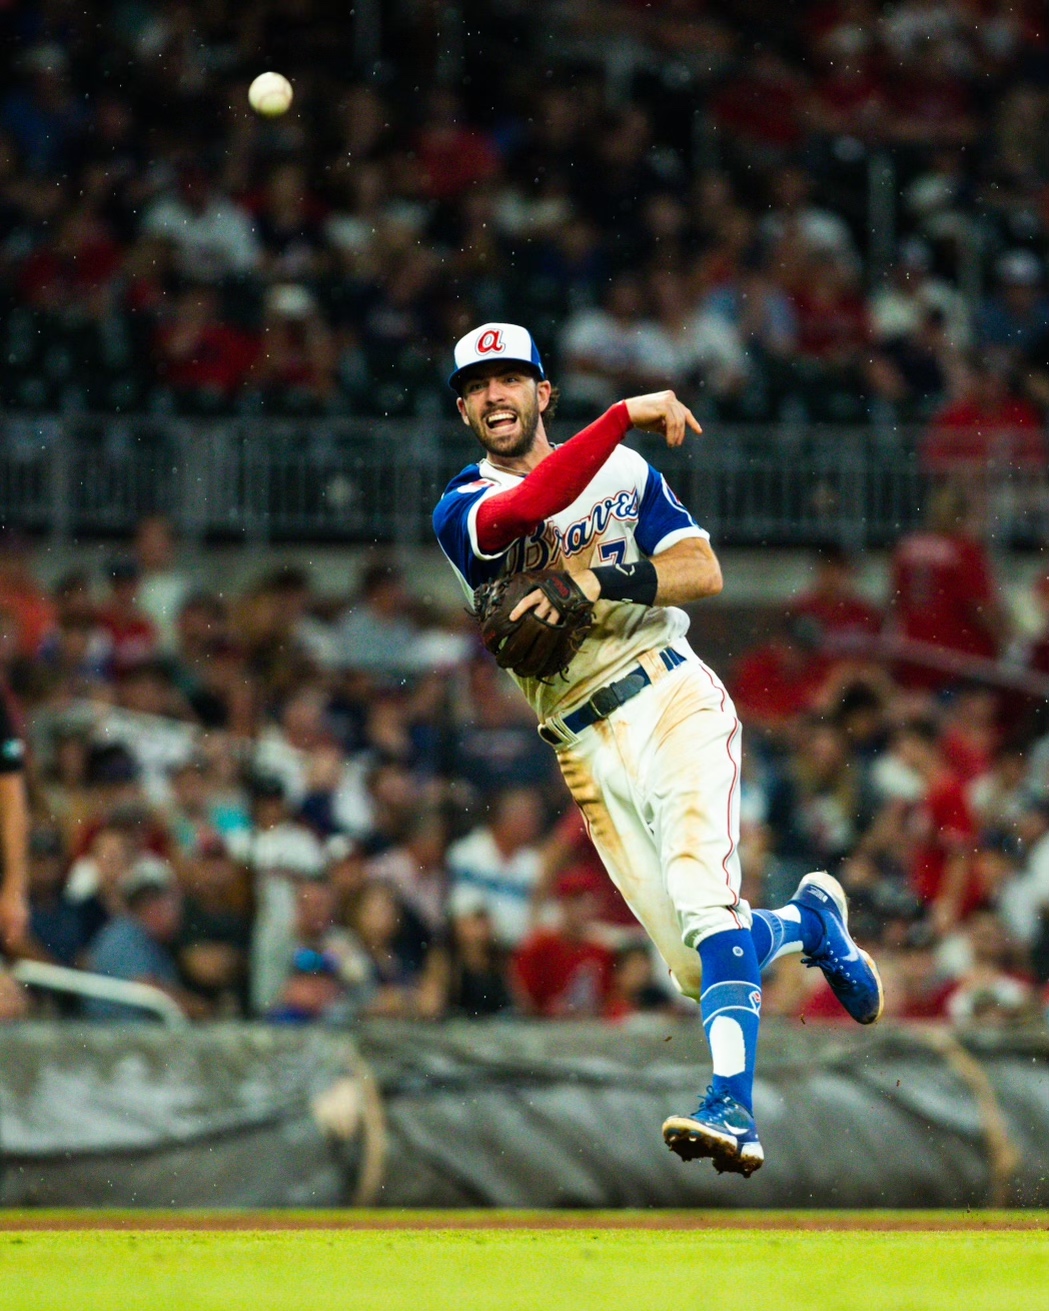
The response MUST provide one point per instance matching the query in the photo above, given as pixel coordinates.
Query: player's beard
(518, 441)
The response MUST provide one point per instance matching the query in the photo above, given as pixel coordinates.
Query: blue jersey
(626, 512)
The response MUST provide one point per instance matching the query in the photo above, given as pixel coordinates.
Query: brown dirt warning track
(255, 1221)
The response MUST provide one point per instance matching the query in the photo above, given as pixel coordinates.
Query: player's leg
(816, 922)
(601, 788)
(688, 772)
(782, 932)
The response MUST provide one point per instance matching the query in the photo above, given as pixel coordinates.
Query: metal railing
(99, 987)
(346, 480)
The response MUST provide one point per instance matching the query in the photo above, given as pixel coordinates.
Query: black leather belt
(607, 699)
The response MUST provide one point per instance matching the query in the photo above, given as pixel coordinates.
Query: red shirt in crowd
(219, 362)
(764, 110)
(969, 433)
(452, 159)
(839, 614)
(830, 325)
(968, 756)
(852, 99)
(33, 614)
(771, 685)
(584, 865)
(941, 826)
(561, 976)
(939, 582)
(132, 636)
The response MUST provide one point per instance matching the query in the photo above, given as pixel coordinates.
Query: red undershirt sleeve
(552, 485)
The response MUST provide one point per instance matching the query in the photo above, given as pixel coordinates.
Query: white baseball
(270, 94)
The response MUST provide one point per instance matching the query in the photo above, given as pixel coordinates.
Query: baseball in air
(270, 94)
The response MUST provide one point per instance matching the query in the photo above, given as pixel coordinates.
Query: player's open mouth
(499, 419)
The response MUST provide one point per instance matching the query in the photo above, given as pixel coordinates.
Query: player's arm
(554, 484)
(687, 571)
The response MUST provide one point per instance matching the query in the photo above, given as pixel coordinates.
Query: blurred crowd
(827, 212)
(304, 807)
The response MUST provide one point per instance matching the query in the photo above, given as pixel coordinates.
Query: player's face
(502, 409)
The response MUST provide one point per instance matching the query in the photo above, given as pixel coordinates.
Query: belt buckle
(605, 700)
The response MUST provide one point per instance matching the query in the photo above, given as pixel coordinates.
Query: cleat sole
(750, 1158)
(692, 1141)
(881, 989)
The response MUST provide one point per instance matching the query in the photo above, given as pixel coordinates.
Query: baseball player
(576, 558)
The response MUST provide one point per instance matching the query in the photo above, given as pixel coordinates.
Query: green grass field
(489, 1266)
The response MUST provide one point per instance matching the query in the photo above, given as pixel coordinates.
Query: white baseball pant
(658, 784)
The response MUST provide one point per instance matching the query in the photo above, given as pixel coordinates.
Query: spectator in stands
(833, 339)
(470, 973)
(212, 235)
(989, 992)
(781, 678)
(608, 349)
(96, 878)
(816, 804)
(215, 933)
(415, 870)
(698, 348)
(1017, 313)
(940, 826)
(832, 600)
(294, 369)
(569, 854)
(943, 591)
(912, 295)
(501, 860)
(163, 587)
(282, 853)
(794, 219)
(137, 945)
(390, 969)
(376, 635)
(312, 991)
(496, 745)
(564, 972)
(452, 156)
(914, 373)
(762, 317)
(986, 426)
(290, 225)
(762, 109)
(189, 815)
(203, 361)
(59, 929)
(22, 598)
(634, 988)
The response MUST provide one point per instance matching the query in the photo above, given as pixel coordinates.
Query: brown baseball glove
(530, 646)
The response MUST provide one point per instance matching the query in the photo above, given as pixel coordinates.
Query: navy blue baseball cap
(498, 343)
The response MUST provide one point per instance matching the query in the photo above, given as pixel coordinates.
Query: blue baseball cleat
(720, 1128)
(851, 973)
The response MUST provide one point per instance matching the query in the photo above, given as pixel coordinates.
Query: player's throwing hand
(662, 412)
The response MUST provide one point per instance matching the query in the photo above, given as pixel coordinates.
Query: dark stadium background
(235, 650)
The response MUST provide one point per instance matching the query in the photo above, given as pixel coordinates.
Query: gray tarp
(512, 1114)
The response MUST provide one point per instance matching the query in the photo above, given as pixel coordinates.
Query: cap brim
(455, 381)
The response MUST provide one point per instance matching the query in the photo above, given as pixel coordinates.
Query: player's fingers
(693, 422)
(675, 424)
(530, 602)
